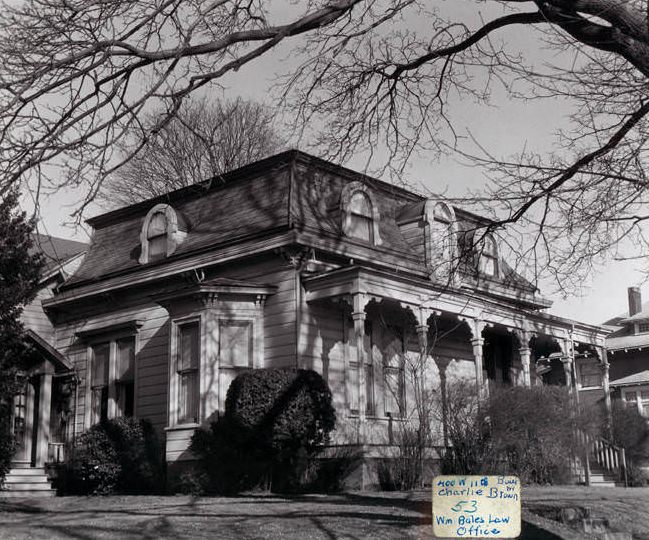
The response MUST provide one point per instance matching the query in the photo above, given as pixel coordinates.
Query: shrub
(275, 421)
(120, 455)
(532, 431)
(6, 441)
(528, 432)
(631, 431)
(94, 467)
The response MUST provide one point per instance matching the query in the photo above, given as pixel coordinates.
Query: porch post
(44, 410)
(525, 354)
(605, 383)
(359, 315)
(477, 343)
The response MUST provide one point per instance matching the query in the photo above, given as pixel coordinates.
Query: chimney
(635, 301)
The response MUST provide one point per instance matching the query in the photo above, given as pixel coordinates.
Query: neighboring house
(295, 262)
(43, 410)
(628, 353)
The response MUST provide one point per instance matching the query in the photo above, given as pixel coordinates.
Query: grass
(627, 510)
(350, 516)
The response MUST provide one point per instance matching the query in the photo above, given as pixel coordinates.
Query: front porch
(403, 343)
(41, 419)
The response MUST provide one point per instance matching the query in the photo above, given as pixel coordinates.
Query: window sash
(158, 246)
(125, 391)
(188, 357)
(188, 397)
(157, 226)
(125, 359)
(99, 364)
(361, 227)
(99, 404)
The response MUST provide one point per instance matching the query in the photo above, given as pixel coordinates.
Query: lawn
(348, 516)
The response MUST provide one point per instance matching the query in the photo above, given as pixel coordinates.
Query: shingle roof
(289, 191)
(616, 343)
(636, 378)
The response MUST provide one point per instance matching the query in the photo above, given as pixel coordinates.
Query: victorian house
(295, 262)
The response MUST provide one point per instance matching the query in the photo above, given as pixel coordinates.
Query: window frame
(109, 338)
(580, 364)
(348, 215)
(172, 233)
(485, 256)
(639, 401)
(175, 375)
(434, 223)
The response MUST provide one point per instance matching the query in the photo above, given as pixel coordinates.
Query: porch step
(601, 478)
(22, 481)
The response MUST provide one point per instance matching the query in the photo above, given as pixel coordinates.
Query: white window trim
(638, 391)
(482, 256)
(174, 377)
(211, 395)
(111, 338)
(174, 236)
(345, 203)
(429, 216)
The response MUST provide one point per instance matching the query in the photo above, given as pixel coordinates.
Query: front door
(25, 423)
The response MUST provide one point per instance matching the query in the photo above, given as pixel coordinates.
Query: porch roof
(631, 380)
(58, 360)
(463, 302)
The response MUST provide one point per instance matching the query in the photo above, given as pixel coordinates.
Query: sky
(504, 128)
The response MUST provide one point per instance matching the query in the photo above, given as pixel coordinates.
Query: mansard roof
(290, 197)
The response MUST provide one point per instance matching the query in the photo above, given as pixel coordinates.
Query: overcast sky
(504, 128)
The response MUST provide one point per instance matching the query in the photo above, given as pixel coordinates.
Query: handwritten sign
(476, 506)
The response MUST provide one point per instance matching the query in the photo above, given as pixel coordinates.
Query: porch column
(359, 315)
(605, 383)
(422, 337)
(524, 335)
(566, 360)
(44, 410)
(525, 355)
(477, 343)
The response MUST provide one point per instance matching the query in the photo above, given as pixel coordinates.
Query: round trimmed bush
(120, 455)
(275, 420)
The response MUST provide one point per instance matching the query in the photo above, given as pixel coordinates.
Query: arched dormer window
(440, 238)
(488, 256)
(160, 235)
(360, 217)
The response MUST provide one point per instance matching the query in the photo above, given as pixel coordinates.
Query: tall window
(361, 219)
(125, 376)
(369, 371)
(112, 379)
(394, 376)
(440, 239)
(236, 352)
(99, 372)
(187, 367)
(489, 256)
(157, 236)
